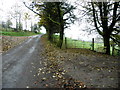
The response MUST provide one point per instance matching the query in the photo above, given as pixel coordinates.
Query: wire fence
(91, 45)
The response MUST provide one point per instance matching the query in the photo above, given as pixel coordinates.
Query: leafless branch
(31, 9)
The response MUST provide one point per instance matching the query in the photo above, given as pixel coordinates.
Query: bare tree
(105, 16)
(16, 13)
(26, 18)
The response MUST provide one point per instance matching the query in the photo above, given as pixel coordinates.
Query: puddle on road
(32, 37)
(28, 41)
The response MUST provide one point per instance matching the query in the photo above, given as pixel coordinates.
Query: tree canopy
(54, 16)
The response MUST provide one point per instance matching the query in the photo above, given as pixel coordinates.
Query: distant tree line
(6, 24)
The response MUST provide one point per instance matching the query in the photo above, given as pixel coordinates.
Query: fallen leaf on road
(27, 87)
(46, 85)
(43, 79)
(32, 63)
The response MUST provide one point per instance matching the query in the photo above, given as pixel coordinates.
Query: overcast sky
(6, 7)
(75, 31)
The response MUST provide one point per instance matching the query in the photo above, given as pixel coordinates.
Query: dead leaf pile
(52, 64)
(89, 66)
(11, 41)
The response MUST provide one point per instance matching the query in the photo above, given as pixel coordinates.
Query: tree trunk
(61, 32)
(107, 44)
(61, 36)
(26, 24)
(19, 22)
(50, 35)
(61, 26)
(16, 26)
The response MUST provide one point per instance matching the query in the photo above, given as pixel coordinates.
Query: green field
(99, 47)
(71, 43)
(10, 32)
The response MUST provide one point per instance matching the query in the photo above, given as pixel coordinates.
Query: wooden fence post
(93, 44)
(65, 42)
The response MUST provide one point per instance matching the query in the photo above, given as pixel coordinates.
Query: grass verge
(72, 43)
(20, 33)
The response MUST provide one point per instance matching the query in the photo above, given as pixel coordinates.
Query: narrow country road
(18, 63)
(32, 65)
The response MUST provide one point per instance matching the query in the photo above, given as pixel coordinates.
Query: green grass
(73, 43)
(20, 33)
(99, 47)
(78, 44)
(11, 32)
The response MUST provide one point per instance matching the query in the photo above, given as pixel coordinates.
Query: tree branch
(101, 12)
(68, 10)
(53, 20)
(94, 17)
(31, 9)
(116, 41)
(114, 16)
(98, 20)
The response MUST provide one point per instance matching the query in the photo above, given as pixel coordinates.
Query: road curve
(17, 63)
